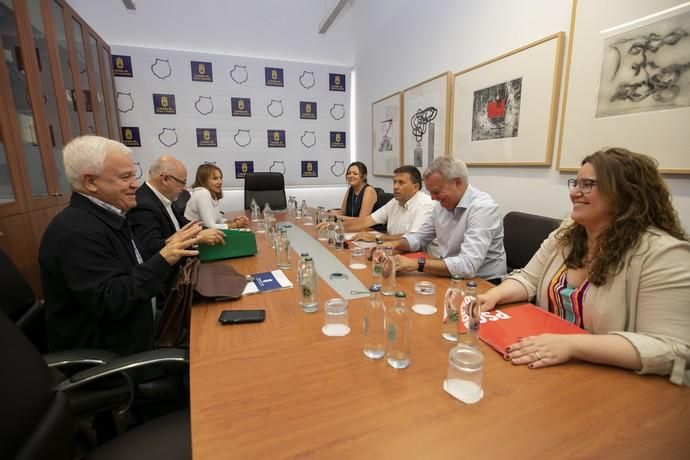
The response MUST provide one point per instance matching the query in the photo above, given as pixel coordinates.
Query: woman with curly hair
(619, 267)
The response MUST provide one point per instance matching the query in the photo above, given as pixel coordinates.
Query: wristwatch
(421, 261)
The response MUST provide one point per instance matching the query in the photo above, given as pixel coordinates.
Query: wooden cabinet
(56, 83)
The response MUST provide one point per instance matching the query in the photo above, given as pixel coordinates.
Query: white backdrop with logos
(240, 113)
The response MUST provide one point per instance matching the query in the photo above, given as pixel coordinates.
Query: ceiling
(284, 29)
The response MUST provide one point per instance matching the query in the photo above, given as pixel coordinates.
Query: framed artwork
(386, 129)
(628, 82)
(426, 120)
(504, 109)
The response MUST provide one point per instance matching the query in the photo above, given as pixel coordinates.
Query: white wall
(401, 42)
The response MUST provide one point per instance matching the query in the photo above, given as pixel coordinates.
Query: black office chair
(265, 187)
(381, 199)
(36, 421)
(180, 204)
(20, 304)
(523, 234)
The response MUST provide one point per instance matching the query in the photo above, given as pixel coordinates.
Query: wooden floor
(281, 389)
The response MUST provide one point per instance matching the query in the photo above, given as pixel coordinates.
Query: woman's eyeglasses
(584, 185)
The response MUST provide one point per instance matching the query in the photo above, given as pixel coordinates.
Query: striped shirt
(565, 300)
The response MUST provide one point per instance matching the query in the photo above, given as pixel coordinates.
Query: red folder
(501, 328)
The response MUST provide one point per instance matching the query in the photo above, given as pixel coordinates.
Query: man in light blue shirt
(467, 225)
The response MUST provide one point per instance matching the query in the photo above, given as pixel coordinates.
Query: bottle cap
(400, 295)
(375, 288)
(471, 284)
(456, 277)
(379, 241)
(308, 259)
(304, 254)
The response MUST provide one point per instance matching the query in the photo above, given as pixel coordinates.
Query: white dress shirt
(202, 206)
(400, 219)
(470, 237)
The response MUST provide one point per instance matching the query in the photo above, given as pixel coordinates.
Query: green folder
(238, 243)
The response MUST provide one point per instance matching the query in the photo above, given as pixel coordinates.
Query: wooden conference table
(281, 389)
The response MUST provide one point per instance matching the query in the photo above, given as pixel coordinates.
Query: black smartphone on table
(241, 316)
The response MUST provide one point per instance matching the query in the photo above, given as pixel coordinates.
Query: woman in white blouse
(203, 204)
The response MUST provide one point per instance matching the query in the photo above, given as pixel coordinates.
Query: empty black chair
(265, 187)
(20, 304)
(36, 422)
(181, 202)
(523, 233)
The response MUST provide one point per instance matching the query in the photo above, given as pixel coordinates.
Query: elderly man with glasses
(154, 220)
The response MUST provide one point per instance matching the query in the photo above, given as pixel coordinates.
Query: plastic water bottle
(308, 286)
(377, 262)
(374, 325)
(320, 214)
(255, 210)
(468, 330)
(331, 232)
(283, 250)
(291, 207)
(339, 234)
(303, 209)
(388, 272)
(267, 210)
(452, 304)
(300, 266)
(398, 332)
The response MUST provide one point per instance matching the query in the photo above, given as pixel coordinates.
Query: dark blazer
(150, 221)
(97, 295)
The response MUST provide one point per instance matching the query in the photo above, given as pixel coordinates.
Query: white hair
(449, 169)
(86, 155)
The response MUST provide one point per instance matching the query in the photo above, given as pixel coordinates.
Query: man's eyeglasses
(179, 181)
(584, 185)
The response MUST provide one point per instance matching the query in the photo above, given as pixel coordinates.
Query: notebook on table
(502, 327)
(238, 243)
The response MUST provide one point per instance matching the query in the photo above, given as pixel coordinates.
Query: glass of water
(336, 322)
(465, 369)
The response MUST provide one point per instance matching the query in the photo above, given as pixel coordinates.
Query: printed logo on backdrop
(307, 110)
(307, 79)
(336, 82)
(138, 171)
(242, 137)
(204, 105)
(338, 168)
(308, 139)
(168, 137)
(242, 168)
(310, 169)
(164, 104)
(130, 136)
(241, 106)
(161, 68)
(337, 111)
(202, 71)
(276, 137)
(122, 65)
(275, 108)
(125, 102)
(239, 74)
(206, 137)
(338, 140)
(277, 166)
(274, 76)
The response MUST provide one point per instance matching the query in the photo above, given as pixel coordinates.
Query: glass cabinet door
(45, 69)
(65, 66)
(7, 189)
(99, 100)
(107, 71)
(21, 100)
(83, 72)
